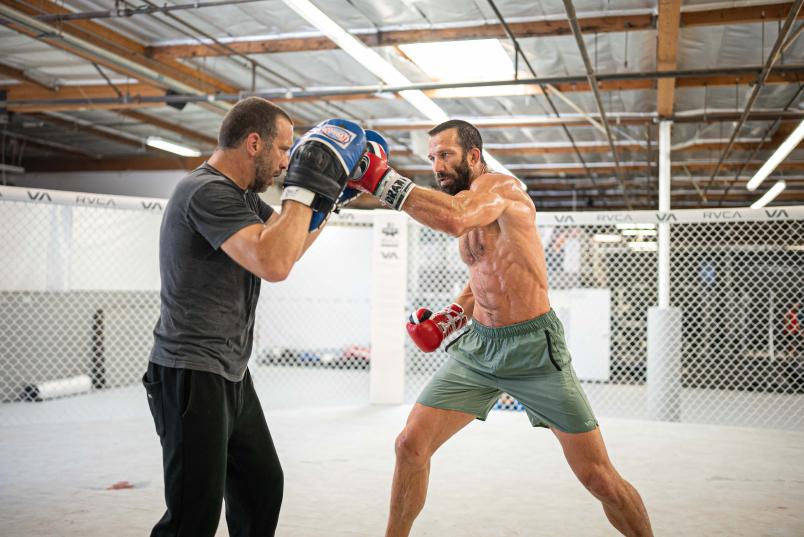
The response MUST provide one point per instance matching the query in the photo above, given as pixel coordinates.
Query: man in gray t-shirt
(217, 241)
(204, 292)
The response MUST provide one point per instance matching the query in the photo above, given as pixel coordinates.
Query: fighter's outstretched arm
(456, 214)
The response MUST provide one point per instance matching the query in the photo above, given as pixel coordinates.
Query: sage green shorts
(529, 361)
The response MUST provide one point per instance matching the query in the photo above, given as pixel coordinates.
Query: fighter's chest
(479, 244)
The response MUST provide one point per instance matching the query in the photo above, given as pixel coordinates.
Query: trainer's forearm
(311, 237)
(282, 242)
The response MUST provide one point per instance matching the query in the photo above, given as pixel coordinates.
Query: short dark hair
(252, 114)
(468, 135)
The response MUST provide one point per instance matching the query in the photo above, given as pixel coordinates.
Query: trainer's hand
(321, 162)
(428, 329)
(373, 175)
(376, 143)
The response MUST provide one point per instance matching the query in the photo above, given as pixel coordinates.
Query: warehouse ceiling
(86, 83)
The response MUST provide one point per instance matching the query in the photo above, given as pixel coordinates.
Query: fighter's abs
(507, 276)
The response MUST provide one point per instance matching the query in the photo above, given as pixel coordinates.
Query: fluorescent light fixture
(172, 147)
(606, 238)
(778, 156)
(375, 63)
(770, 195)
(643, 246)
(467, 61)
(461, 61)
(638, 232)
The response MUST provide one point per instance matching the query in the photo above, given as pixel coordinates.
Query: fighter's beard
(460, 179)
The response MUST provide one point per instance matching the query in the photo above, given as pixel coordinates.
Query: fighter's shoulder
(504, 185)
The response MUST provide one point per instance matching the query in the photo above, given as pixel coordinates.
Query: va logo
(776, 213)
(151, 205)
(39, 196)
(389, 255)
(564, 219)
(666, 217)
(390, 229)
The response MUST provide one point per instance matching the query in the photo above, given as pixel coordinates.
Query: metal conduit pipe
(590, 75)
(141, 71)
(763, 76)
(290, 93)
(545, 92)
(138, 10)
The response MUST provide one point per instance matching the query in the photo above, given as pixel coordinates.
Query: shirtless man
(515, 343)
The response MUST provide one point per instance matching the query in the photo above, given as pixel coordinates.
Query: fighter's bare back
(507, 270)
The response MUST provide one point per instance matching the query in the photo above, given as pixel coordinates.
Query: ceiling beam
(50, 145)
(101, 36)
(84, 94)
(384, 38)
(782, 74)
(666, 53)
(138, 163)
(521, 29)
(401, 124)
(172, 127)
(70, 125)
(19, 74)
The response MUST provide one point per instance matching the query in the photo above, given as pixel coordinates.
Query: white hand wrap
(393, 190)
(296, 193)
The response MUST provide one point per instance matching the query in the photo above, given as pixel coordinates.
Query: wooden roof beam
(666, 53)
(21, 76)
(172, 127)
(521, 29)
(26, 92)
(101, 36)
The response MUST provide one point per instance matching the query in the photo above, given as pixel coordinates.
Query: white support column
(664, 363)
(388, 287)
(663, 239)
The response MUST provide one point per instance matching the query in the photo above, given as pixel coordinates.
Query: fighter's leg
(587, 456)
(426, 430)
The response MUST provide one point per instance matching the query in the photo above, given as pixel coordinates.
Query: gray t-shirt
(206, 320)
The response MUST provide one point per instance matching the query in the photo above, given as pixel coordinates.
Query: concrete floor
(500, 478)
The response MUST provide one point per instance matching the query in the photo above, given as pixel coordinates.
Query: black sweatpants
(215, 445)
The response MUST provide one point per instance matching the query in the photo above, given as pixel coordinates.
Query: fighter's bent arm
(457, 214)
(466, 300)
(270, 250)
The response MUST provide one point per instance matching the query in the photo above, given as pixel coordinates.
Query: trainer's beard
(262, 174)
(460, 178)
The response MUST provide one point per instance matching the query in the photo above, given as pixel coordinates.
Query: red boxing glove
(428, 329)
(373, 175)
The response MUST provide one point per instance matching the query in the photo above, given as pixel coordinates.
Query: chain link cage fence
(79, 287)
(737, 283)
